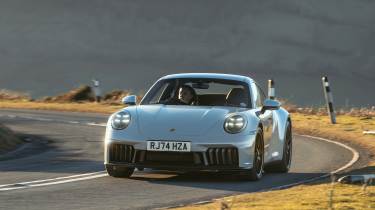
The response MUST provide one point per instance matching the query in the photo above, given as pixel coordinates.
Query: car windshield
(199, 92)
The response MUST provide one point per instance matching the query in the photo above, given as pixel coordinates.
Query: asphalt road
(51, 172)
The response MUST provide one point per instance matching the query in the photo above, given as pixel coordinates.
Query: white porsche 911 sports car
(200, 122)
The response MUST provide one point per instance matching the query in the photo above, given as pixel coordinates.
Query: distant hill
(50, 46)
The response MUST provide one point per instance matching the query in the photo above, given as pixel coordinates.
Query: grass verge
(349, 130)
(299, 198)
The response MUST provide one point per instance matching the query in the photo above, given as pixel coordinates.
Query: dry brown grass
(85, 93)
(322, 111)
(348, 129)
(13, 95)
(80, 94)
(115, 96)
(299, 198)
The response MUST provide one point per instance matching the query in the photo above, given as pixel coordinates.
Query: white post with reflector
(271, 89)
(329, 100)
(97, 90)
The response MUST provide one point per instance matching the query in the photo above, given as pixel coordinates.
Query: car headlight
(234, 124)
(121, 120)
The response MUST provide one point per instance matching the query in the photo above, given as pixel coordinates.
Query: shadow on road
(217, 181)
(40, 154)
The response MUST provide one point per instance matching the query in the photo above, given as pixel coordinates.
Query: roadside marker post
(357, 179)
(97, 91)
(271, 89)
(329, 100)
(369, 132)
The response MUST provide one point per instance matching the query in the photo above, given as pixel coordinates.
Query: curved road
(51, 172)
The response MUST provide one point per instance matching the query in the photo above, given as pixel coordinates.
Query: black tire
(119, 172)
(283, 165)
(257, 171)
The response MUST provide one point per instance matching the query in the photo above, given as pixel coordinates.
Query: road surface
(62, 168)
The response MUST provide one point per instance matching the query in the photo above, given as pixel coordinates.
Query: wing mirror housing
(130, 100)
(270, 104)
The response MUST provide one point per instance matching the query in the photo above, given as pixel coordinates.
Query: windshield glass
(199, 92)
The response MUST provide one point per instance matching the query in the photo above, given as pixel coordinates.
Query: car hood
(169, 121)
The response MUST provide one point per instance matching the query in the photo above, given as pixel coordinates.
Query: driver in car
(186, 96)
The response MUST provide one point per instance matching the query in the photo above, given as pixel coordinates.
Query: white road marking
(73, 122)
(94, 175)
(58, 180)
(346, 166)
(36, 118)
(59, 121)
(54, 181)
(71, 180)
(97, 124)
(354, 152)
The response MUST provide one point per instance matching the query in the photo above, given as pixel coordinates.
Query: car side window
(159, 94)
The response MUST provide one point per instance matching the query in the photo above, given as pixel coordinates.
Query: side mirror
(269, 104)
(129, 100)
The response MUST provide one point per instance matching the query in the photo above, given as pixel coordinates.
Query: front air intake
(121, 153)
(222, 156)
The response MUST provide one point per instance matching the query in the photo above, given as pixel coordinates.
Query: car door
(266, 118)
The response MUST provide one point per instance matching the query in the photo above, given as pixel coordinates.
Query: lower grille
(169, 158)
(121, 153)
(222, 156)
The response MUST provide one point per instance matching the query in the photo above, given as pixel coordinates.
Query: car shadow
(30, 145)
(233, 183)
(40, 154)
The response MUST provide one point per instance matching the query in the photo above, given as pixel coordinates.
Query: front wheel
(119, 172)
(284, 164)
(256, 172)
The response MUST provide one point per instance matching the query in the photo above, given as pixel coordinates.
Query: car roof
(209, 76)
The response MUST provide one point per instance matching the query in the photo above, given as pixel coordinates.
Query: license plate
(169, 146)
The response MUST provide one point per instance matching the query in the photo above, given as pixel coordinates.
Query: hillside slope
(49, 46)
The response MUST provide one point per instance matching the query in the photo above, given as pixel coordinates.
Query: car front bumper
(221, 155)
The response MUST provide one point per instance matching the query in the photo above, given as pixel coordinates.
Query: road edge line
(52, 179)
(354, 159)
(354, 152)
